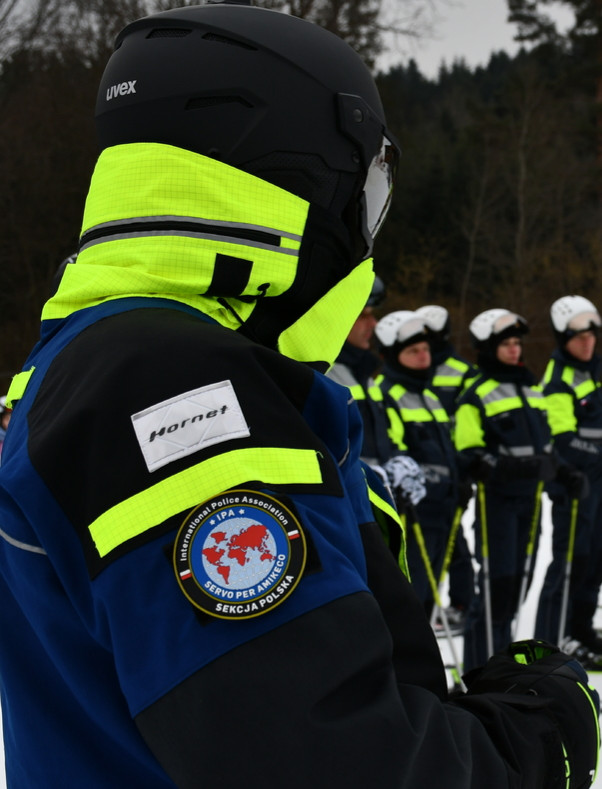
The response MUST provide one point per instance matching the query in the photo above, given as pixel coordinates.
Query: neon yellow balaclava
(164, 222)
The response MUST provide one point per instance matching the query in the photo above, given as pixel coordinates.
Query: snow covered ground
(527, 616)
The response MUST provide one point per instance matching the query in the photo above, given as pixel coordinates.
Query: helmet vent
(200, 102)
(224, 40)
(169, 32)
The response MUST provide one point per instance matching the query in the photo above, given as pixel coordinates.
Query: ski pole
(449, 549)
(567, 568)
(417, 529)
(485, 567)
(529, 555)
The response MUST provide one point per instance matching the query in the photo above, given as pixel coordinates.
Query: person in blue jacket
(196, 592)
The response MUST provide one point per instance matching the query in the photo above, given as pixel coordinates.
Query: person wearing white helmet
(355, 368)
(423, 426)
(574, 397)
(451, 374)
(503, 438)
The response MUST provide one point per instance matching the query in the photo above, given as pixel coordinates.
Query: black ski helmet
(268, 93)
(58, 274)
(377, 294)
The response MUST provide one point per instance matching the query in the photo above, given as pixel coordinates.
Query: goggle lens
(411, 328)
(378, 189)
(584, 321)
(506, 321)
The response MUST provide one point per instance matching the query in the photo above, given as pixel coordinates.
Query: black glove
(510, 468)
(548, 467)
(575, 481)
(558, 684)
(464, 493)
(483, 466)
(534, 467)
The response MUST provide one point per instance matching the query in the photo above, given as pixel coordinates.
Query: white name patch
(188, 422)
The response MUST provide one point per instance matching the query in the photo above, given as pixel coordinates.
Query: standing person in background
(504, 441)
(355, 368)
(201, 591)
(574, 398)
(404, 343)
(451, 374)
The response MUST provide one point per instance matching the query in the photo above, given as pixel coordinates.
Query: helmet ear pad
(324, 259)
(306, 176)
(302, 174)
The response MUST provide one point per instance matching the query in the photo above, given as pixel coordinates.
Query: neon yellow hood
(164, 222)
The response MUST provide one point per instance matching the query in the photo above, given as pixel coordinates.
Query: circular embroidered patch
(240, 554)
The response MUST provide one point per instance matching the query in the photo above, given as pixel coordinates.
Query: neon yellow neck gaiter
(164, 222)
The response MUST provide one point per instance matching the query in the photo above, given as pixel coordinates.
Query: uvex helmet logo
(122, 89)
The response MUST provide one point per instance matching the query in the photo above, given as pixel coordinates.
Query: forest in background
(497, 201)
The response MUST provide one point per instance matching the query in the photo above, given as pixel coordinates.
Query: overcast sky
(469, 29)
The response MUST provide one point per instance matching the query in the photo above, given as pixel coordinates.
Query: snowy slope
(527, 617)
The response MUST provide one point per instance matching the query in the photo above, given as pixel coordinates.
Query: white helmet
(436, 318)
(401, 328)
(571, 315)
(492, 326)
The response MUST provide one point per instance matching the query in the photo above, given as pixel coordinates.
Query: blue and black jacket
(158, 460)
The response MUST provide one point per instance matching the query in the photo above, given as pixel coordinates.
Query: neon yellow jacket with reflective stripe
(422, 428)
(574, 403)
(491, 415)
(451, 377)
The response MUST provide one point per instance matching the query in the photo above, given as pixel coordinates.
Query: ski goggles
(506, 322)
(412, 329)
(378, 188)
(358, 122)
(401, 327)
(585, 321)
